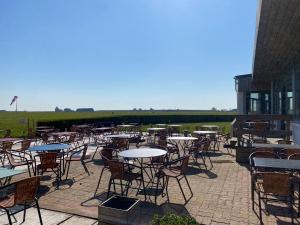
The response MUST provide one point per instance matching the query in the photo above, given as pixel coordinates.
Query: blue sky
(124, 54)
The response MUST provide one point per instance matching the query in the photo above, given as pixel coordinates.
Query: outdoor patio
(221, 194)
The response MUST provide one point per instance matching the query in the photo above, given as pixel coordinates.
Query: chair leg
(109, 186)
(181, 189)
(99, 181)
(68, 168)
(167, 187)
(39, 211)
(24, 214)
(29, 170)
(188, 184)
(8, 216)
(85, 168)
(156, 190)
(291, 208)
(95, 153)
(259, 206)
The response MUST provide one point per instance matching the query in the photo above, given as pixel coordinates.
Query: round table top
(126, 125)
(174, 125)
(205, 132)
(142, 153)
(9, 139)
(65, 133)
(118, 136)
(156, 128)
(45, 130)
(161, 124)
(182, 138)
(103, 128)
(82, 126)
(50, 147)
(210, 126)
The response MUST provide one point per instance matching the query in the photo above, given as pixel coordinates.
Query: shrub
(172, 219)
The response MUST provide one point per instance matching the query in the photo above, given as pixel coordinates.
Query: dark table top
(9, 139)
(281, 164)
(49, 147)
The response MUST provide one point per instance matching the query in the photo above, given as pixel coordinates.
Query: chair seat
(55, 166)
(7, 202)
(21, 163)
(77, 158)
(131, 176)
(174, 172)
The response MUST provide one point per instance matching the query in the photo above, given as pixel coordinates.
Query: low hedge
(145, 119)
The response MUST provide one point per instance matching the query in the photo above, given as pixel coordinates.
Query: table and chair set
(150, 162)
(275, 176)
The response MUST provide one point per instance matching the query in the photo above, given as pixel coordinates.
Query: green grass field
(18, 122)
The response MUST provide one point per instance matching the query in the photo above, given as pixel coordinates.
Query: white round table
(142, 153)
(184, 142)
(211, 126)
(205, 132)
(118, 136)
(155, 128)
(180, 138)
(174, 125)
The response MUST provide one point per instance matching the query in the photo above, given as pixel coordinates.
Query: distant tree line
(71, 110)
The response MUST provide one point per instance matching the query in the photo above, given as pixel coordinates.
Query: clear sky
(124, 54)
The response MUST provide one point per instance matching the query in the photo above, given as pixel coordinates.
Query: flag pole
(16, 105)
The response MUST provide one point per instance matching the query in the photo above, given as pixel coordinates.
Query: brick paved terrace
(221, 194)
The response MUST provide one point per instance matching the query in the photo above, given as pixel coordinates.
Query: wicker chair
(174, 169)
(16, 160)
(24, 193)
(119, 171)
(6, 146)
(78, 154)
(196, 151)
(275, 185)
(254, 172)
(49, 162)
(106, 155)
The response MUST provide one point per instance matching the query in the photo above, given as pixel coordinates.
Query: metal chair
(49, 162)
(106, 155)
(119, 171)
(174, 169)
(25, 192)
(78, 154)
(278, 186)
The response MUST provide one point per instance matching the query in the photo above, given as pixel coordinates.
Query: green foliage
(172, 219)
(12, 120)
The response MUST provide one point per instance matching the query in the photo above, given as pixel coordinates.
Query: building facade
(274, 85)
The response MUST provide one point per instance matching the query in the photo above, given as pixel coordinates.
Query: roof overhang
(277, 39)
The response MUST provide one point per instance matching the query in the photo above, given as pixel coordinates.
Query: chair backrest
(106, 155)
(72, 138)
(276, 183)
(260, 154)
(7, 133)
(26, 190)
(6, 145)
(45, 137)
(206, 144)
(283, 141)
(48, 160)
(84, 151)
(117, 169)
(25, 145)
(122, 143)
(184, 163)
(285, 153)
(295, 156)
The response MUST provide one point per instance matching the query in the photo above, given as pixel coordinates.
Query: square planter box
(119, 210)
